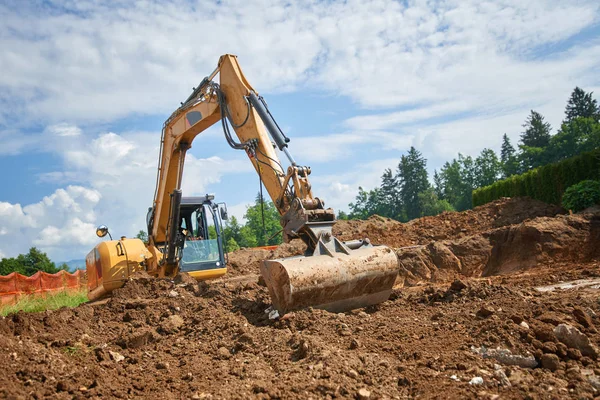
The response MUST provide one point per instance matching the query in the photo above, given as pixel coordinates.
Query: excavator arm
(333, 275)
(235, 100)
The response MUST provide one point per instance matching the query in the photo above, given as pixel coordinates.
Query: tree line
(30, 263)
(407, 193)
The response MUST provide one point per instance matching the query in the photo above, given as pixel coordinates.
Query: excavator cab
(202, 255)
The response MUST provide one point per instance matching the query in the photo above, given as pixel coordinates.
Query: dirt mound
(489, 337)
(197, 340)
(514, 248)
(448, 225)
(247, 261)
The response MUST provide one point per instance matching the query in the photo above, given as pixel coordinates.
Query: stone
(476, 381)
(162, 365)
(550, 361)
(573, 338)
(524, 325)
(352, 373)
(363, 394)
(582, 317)
(224, 352)
(484, 312)
(354, 344)
(116, 356)
(505, 356)
(173, 293)
(458, 285)
(501, 376)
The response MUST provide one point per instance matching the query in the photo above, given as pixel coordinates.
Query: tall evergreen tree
(537, 131)
(389, 198)
(534, 141)
(438, 185)
(581, 104)
(508, 158)
(412, 179)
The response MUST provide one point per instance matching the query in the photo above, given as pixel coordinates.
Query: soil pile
(162, 339)
(448, 225)
(509, 249)
(247, 261)
(474, 337)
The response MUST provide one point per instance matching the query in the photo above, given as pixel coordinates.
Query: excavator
(332, 274)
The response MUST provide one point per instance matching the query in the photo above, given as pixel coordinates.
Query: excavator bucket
(336, 282)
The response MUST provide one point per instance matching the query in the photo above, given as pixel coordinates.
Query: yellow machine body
(111, 263)
(333, 275)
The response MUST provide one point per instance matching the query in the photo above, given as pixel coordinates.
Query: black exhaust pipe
(173, 226)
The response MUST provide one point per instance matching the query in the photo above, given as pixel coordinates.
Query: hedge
(547, 183)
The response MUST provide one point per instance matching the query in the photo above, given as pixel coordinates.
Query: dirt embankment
(493, 337)
(533, 243)
(162, 339)
(448, 225)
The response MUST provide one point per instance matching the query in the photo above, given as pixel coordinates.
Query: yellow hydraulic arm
(234, 99)
(333, 275)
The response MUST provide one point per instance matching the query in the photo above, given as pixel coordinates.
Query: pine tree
(510, 165)
(581, 104)
(534, 141)
(537, 131)
(388, 195)
(412, 180)
(438, 185)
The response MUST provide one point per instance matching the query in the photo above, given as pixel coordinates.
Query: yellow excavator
(331, 275)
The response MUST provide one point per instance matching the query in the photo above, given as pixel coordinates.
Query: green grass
(37, 303)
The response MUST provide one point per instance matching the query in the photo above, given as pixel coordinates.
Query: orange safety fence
(14, 285)
(266, 247)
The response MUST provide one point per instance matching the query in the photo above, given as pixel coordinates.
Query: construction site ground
(496, 302)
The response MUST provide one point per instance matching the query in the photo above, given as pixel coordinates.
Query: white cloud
(107, 61)
(64, 129)
(337, 146)
(59, 224)
(115, 177)
(443, 76)
(338, 190)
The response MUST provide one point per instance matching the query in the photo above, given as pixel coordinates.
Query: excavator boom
(332, 274)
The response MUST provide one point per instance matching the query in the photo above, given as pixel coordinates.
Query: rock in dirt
(550, 361)
(224, 352)
(172, 324)
(582, 317)
(485, 312)
(116, 356)
(363, 394)
(458, 285)
(589, 375)
(505, 356)
(476, 381)
(573, 338)
(501, 376)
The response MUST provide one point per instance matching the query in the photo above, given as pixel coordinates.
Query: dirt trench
(465, 296)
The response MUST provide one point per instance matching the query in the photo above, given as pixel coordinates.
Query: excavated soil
(448, 225)
(444, 333)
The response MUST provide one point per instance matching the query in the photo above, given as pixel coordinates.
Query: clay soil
(157, 338)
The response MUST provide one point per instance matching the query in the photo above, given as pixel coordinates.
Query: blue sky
(86, 86)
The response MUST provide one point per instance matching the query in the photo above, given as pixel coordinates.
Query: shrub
(581, 195)
(547, 183)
